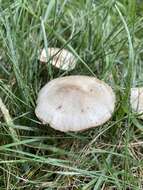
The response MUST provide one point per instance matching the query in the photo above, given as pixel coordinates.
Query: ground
(106, 38)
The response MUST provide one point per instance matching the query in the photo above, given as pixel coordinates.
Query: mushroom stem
(8, 121)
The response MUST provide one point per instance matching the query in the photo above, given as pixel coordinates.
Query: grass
(106, 37)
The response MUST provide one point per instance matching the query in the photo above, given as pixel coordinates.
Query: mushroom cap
(60, 58)
(75, 103)
(136, 100)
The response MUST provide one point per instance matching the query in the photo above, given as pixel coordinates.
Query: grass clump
(106, 37)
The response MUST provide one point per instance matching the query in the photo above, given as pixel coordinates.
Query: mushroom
(75, 103)
(60, 58)
(136, 100)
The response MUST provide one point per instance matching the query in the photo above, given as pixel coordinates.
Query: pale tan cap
(75, 103)
(136, 100)
(60, 58)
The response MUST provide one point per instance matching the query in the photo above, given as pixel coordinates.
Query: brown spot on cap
(59, 107)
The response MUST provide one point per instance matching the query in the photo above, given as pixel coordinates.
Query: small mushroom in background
(60, 58)
(75, 103)
(136, 100)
